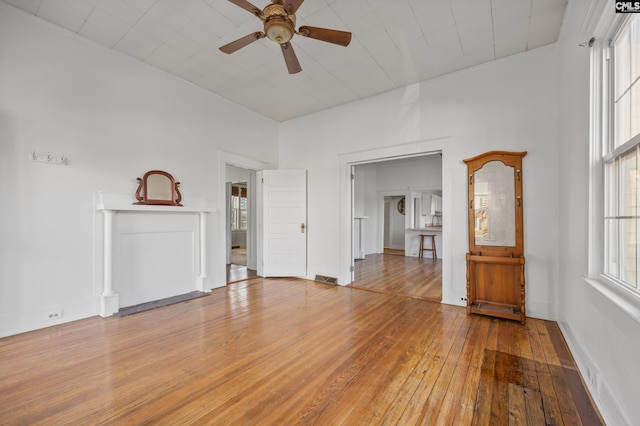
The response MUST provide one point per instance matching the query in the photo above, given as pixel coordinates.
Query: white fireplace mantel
(151, 208)
(112, 204)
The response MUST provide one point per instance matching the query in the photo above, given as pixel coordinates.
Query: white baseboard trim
(39, 318)
(542, 310)
(454, 300)
(596, 383)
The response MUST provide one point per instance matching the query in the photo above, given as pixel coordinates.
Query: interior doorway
(238, 223)
(394, 225)
(391, 206)
(240, 212)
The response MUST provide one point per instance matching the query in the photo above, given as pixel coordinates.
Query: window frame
(601, 131)
(237, 211)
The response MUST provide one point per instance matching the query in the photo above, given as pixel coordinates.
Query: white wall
(398, 176)
(512, 104)
(411, 173)
(114, 118)
(603, 339)
(236, 174)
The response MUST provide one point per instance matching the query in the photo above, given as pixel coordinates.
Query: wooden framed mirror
(158, 188)
(495, 262)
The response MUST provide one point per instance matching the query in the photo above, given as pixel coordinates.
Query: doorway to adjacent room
(240, 215)
(392, 206)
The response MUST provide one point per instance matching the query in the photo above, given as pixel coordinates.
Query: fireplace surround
(149, 252)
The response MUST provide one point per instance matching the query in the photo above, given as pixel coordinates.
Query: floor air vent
(326, 280)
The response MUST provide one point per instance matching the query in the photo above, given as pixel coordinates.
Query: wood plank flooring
(239, 273)
(239, 256)
(293, 352)
(400, 275)
(397, 252)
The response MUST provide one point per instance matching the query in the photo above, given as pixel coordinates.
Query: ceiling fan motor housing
(279, 20)
(279, 26)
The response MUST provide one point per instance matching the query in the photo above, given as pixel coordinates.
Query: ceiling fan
(279, 19)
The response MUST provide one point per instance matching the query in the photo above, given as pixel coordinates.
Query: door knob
(302, 228)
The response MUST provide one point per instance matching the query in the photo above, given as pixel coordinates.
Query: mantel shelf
(152, 208)
(122, 202)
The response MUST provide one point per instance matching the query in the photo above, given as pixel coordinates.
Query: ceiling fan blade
(290, 58)
(290, 6)
(241, 42)
(247, 6)
(341, 38)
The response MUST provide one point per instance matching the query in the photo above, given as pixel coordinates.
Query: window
(621, 156)
(238, 207)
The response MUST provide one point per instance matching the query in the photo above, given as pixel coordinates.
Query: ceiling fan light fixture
(279, 30)
(279, 20)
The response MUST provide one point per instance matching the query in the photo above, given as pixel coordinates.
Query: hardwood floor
(400, 276)
(396, 252)
(239, 256)
(239, 273)
(290, 351)
(237, 270)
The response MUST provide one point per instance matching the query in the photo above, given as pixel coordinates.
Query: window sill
(627, 301)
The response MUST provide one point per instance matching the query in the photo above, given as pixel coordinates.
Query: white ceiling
(395, 43)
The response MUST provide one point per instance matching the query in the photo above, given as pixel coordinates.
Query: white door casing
(227, 216)
(284, 223)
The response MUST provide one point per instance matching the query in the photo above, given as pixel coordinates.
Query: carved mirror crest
(158, 188)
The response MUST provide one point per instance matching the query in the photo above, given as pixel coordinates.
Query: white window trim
(236, 227)
(618, 295)
(627, 300)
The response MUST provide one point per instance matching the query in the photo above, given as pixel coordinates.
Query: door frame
(347, 160)
(381, 214)
(251, 213)
(224, 159)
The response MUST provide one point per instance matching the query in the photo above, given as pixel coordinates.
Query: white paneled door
(284, 216)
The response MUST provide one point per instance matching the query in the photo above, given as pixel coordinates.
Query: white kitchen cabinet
(436, 205)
